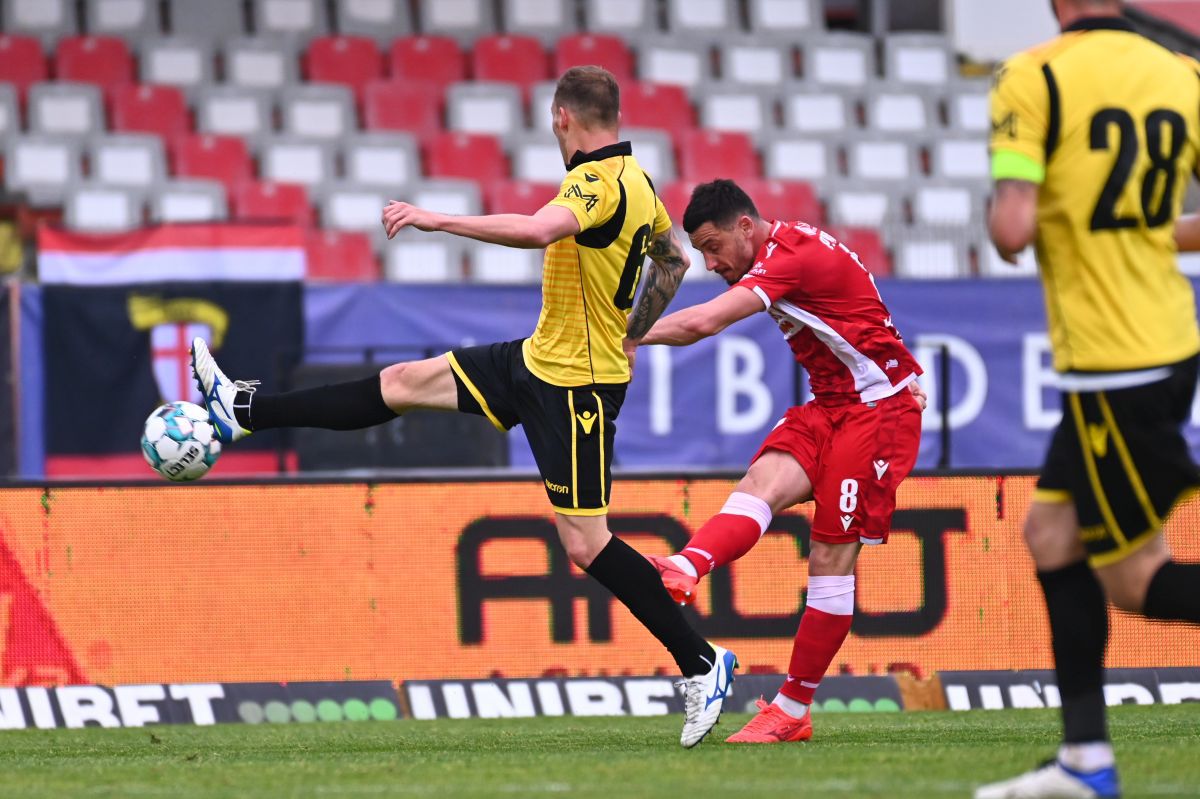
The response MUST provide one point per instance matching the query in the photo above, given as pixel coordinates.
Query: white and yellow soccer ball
(179, 443)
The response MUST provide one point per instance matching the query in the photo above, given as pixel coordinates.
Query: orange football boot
(679, 584)
(773, 726)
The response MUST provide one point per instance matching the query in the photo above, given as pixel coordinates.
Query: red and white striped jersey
(831, 314)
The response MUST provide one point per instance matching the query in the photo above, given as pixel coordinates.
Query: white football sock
(1086, 757)
(790, 706)
(684, 565)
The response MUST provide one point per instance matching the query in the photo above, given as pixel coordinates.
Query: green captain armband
(1007, 165)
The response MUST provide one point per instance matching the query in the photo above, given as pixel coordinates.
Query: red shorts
(855, 456)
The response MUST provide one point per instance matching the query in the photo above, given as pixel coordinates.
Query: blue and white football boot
(1053, 780)
(219, 393)
(704, 696)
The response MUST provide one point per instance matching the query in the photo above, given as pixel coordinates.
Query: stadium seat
(98, 208)
(359, 208)
(842, 59)
(448, 196)
(654, 151)
(382, 20)
(675, 197)
(706, 154)
(268, 201)
(437, 60)
(10, 111)
(545, 20)
(470, 156)
(22, 62)
(176, 61)
(917, 58)
(183, 201)
(484, 107)
(657, 105)
(67, 109)
(703, 19)
(789, 200)
(991, 265)
(41, 167)
(867, 244)
(517, 196)
(860, 204)
(161, 110)
(785, 20)
(930, 255)
(1183, 13)
(288, 159)
(260, 63)
(739, 109)
(210, 157)
(213, 22)
(757, 62)
(410, 106)
(541, 98)
(294, 19)
(967, 109)
(965, 159)
(792, 157)
(417, 257)
(537, 158)
(233, 111)
(131, 160)
(898, 110)
(935, 204)
(682, 63)
(504, 265)
(609, 52)
(349, 60)
(629, 19)
(881, 158)
(464, 20)
(340, 255)
(49, 20)
(129, 19)
(818, 111)
(510, 59)
(318, 111)
(102, 60)
(390, 160)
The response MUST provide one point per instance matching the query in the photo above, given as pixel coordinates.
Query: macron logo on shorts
(846, 522)
(881, 467)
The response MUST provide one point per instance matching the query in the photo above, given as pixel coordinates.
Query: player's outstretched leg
(704, 697)
(220, 393)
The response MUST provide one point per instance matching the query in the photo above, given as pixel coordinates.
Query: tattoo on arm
(661, 281)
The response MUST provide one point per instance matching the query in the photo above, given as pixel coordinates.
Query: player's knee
(394, 383)
(1125, 596)
(579, 550)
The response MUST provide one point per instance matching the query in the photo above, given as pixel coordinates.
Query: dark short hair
(592, 93)
(721, 202)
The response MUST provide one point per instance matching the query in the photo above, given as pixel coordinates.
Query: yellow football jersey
(589, 279)
(1108, 122)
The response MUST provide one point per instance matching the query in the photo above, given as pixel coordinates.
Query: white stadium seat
(318, 111)
(961, 159)
(381, 159)
(382, 20)
(417, 257)
(260, 63)
(127, 160)
(931, 257)
(493, 264)
(842, 59)
(287, 159)
(41, 167)
(65, 109)
(791, 157)
(679, 63)
(98, 208)
(183, 201)
(548, 20)
(233, 111)
(485, 107)
(176, 61)
(917, 58)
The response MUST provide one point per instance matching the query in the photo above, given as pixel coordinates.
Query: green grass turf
(871, 755)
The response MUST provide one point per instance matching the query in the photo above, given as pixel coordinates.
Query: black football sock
(1079, 629)
(636, 583)
(342, 406)
(1174, 593)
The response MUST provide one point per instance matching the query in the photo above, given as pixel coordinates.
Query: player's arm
(1020, 107)
(668, 262)
(1012, 216)
(550, 224)
(707, 319)
(1187, 233)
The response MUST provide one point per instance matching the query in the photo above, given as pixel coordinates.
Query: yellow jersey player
(565, 383)
(1094, 137)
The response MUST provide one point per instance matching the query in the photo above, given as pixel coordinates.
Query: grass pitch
(892, 756)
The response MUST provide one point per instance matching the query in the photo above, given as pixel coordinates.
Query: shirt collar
(1100, 24)
(608, 151)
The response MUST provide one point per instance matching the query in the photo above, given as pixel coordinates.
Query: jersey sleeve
(590, 193)
(776, 273)
(662, 221)
(1020, 113)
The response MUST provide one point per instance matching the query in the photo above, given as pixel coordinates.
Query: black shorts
(570, 430)
(1121, 457)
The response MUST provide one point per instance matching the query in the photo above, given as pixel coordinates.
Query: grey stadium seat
(842, 59)
(485, 107)
(991, 265)
(233, 111)
(917, 58)
(681, 62)
(931, 255)
(967, 107)
(176, 61)
(10, 111)
(185, 201)
(132, 20)
(861, 204)
(793, 157)
(548, 20)
(703, 19)
(417, 257)
(629, 19)
(879, 157)
(345, 206)
(389, 160)
(493, 264)
(132, 160)
(898, 109)
(787, 20)
(65, 109)
(464, 20)
(941, 204)
(541, 97)
(214, 21)
(261, 63)
(294, 19)
(318, 110)
(101, 208)
(819, 111)
(289, 159)
(654, 151)
(752, 61)
(381, 20)
(41, 167)
(49, 20)
(537, 158)
(963, 159)
(448, 196)
(743, 109)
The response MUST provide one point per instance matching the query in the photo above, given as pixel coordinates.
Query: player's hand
(630, 346)
(919, 394)
(398, 215)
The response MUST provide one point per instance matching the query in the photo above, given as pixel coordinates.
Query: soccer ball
(179, 442)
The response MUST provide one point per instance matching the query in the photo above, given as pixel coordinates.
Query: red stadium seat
(789, 200)
(434, 59)
(471, 156)
(267, 201)
(869, 247)
(350, 60)
(204, 155)
(1177, 12)
(609, 52)
(149, 109)
(411, 106)
(102, 60)
(657, 105)
(22, 61)
(709, 154)
(675, 196)
(510, 59)
(340, 255)
(517, 196)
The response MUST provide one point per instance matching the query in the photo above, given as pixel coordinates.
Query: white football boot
(219, 392)
(1053, 780)
(704, 695)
